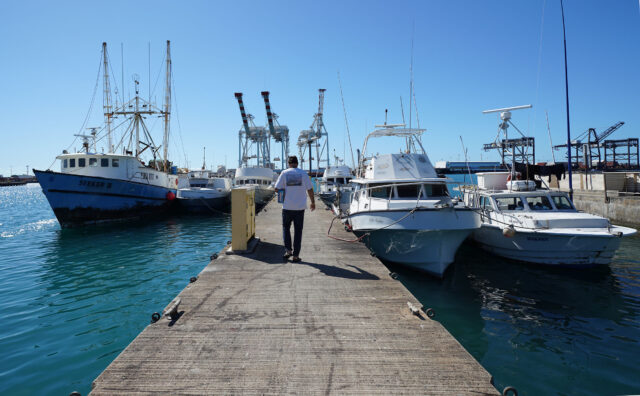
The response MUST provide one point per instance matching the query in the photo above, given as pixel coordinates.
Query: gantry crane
(316, 136)
(279, 133)
(591, 148)
(250, 134)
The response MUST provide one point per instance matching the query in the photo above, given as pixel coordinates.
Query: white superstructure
(541, 226)
(335, 188)
(260, 179)
(406, 209)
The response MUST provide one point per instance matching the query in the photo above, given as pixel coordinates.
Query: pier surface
(335, 323)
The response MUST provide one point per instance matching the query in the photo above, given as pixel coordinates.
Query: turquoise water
(73, 299)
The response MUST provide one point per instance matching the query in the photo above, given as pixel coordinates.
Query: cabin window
(72, 163)
(64, 163)
(379, 192)
(104, 162)
(561, 202)
(436, 190)
(509, 203)
(93, 162)
(82, 162)
(115, 162)
(539, 202)
(407, 190)
(485, 203)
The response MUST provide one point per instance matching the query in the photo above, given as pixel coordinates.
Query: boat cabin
(530, 201)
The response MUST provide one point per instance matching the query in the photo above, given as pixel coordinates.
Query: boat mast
(566, 86)
(107, 97)
(167, 108)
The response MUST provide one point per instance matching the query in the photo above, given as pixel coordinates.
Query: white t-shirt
(295, 182)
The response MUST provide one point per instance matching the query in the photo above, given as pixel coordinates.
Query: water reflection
(76, 297)
(577, 329)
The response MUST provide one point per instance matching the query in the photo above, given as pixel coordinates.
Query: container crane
(591, 148)
(250, 134)
(316, 136)
(280, 133)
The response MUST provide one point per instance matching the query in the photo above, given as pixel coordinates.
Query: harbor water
(73, 299)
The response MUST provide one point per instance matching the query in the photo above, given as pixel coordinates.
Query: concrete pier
(335, 323)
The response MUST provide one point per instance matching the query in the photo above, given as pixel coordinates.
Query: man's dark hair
(292, 159)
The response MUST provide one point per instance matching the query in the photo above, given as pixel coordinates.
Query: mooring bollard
(172, 309)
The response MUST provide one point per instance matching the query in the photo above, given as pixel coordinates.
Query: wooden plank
(336, 323)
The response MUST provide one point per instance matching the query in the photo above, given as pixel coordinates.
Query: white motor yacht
(525, 223)
(259, 179)
(405, 208)
(335, 188)
(206, 192)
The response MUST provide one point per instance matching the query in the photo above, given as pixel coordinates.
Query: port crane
(249, 135)
(594, 142)
(316, 136)
(279, 133)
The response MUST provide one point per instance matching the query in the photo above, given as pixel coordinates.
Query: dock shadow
(338, 272)
(271, 253)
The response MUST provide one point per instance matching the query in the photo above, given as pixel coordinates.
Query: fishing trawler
(405, 209)
(94, 187)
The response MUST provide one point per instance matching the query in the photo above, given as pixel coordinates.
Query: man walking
(297, 186)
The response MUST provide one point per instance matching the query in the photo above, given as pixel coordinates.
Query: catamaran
(405, 209)
(93, 187)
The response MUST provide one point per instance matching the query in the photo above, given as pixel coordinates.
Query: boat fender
(393, 275)
(429, 312)
(214, 256)
(509, 231)
(193, 279)
(508, 389)
(171, 196)
(155, 317)
(518, 176)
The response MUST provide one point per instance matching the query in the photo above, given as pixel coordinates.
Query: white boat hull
(426, 239)
(549, 248)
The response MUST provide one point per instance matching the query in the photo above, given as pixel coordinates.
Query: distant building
(463, 167)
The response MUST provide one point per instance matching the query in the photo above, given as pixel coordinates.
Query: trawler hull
(79, 200)
(426, 239)
(555, 249)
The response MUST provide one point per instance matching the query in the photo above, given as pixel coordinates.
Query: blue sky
(469, 56)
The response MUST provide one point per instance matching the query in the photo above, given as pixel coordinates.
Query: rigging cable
(544, 3)
(175, 103)
(344, 110)
(86, 117)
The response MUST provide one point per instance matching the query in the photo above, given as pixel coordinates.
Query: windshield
(509, 203)
(539, 202)
(562, 202)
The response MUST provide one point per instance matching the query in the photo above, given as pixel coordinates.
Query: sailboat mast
(167, 108)
(107, 97)
(566, 85)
